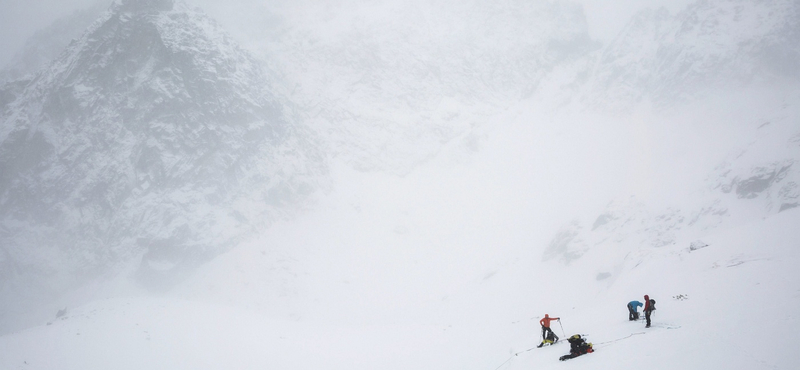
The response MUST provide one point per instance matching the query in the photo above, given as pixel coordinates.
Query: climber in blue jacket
(633, 306)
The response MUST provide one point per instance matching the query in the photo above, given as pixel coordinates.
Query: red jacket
(646, 303)
(546, 321)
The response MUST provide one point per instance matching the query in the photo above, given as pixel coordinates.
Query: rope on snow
(616, 340)
(515, 355)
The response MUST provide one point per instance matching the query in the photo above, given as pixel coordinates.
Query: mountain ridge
(152, 136)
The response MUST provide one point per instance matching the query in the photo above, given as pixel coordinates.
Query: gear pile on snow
(578, 346)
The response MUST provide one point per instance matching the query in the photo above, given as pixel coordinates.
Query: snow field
(734, 297)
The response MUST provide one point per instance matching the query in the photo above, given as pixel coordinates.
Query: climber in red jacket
(545, 322)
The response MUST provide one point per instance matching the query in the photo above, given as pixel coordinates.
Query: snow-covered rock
(152, 136)
(757, 179)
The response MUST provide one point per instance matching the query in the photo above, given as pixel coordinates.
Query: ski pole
(562, 329)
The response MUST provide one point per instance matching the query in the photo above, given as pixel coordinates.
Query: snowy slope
(415, 303)
(444, 268)
(755, 179)
(725, 319)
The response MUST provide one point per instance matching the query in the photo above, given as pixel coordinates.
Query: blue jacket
(635, 305)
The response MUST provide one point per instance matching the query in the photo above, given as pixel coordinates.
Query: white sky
(19, 19)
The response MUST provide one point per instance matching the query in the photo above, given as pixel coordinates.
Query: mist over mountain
(45, 45)
(666, 58)
(390, 83)
(153, 134)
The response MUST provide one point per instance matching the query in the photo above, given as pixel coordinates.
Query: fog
(408, 182)
(21, 19)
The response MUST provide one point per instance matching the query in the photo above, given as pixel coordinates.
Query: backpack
(579, 345)
(652, 304)
(550, 340)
